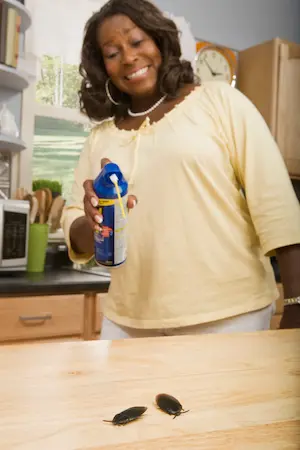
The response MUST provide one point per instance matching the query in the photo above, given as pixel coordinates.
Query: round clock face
(212, 64)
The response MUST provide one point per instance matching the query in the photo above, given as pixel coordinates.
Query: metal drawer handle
(35, 318)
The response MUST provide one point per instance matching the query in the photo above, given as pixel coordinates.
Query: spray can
(110, 243)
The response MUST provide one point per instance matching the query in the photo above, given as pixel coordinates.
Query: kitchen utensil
(48, 204)
(20, 193)
(55, 213)
(40, 194)
(34, 206)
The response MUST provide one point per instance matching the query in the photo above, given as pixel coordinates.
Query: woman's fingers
(93, 216)
(131, 201)
(104, 161)
(90, 206)
(90, 193)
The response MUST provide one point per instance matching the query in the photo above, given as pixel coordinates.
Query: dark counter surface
(60, 281)
(51, 282)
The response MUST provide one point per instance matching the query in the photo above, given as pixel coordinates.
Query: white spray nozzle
(113, 178)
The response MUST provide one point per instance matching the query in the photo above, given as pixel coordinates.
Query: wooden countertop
(243, 392)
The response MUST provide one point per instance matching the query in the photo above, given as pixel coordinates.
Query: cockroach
(169, 405)
(129, 415)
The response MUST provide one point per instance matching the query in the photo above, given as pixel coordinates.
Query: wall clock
(215, 62)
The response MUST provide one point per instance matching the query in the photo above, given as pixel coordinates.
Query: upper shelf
(11, 144)
(24, 13)
(13, 78)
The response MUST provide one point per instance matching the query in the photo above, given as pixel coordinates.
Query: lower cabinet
(59, 317)
(98, 319)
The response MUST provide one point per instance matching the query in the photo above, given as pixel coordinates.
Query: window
(57, 146)
(60, 130)
(59, 83)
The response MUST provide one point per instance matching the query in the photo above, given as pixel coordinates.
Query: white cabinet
(13, 81)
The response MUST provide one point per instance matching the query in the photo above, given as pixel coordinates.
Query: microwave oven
(14, 234)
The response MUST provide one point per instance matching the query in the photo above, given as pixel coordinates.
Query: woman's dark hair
(173, 73)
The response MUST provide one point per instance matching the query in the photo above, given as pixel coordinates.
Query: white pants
(254, 321)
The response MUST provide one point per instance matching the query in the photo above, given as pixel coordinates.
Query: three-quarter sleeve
(75, 208)
(261, 170)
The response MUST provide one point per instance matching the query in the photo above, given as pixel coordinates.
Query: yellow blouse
(197, 246)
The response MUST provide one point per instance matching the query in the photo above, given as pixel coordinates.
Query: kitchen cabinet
(40, 317)
(269, 75)
(47, 317)
(56, 304)
(60, 318)
(99, 316)
(14, 80)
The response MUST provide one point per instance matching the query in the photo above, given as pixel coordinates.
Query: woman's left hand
(289, 268)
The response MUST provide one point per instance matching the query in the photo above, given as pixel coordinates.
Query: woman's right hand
(90, 202)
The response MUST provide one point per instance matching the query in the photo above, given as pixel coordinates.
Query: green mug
(37, 247)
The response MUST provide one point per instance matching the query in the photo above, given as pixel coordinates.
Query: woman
(198, 249)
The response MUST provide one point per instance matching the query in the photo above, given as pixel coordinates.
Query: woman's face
(131, 57)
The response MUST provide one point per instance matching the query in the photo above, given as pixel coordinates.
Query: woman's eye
(111, 56)
(137, 43)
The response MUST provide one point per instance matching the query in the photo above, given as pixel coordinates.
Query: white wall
(238, 23)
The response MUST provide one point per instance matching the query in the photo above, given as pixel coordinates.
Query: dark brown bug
(169, 405)
(129, 415)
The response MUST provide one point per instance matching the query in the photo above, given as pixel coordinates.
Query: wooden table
(242, 390)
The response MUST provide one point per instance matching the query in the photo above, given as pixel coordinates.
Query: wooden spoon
(34, 206)
(34, 210)
(20, 193)
(55, 213)
(40, 195)
(48, 203)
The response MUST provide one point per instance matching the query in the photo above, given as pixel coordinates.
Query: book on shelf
(10, 29)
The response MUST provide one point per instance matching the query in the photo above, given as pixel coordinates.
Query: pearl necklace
(143, 113)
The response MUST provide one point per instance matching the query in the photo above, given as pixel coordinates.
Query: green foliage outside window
(59, 83)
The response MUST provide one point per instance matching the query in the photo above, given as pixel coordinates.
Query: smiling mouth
(137, 74)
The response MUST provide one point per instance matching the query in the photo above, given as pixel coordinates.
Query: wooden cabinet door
(257, 78)
(288, 107)
(99, 315)
(40, 317)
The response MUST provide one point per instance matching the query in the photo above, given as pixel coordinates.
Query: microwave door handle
(1, 231)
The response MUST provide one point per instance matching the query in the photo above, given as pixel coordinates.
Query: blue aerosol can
(111, 189)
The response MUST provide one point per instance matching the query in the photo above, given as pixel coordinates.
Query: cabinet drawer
(98, 319)
(40, 317)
